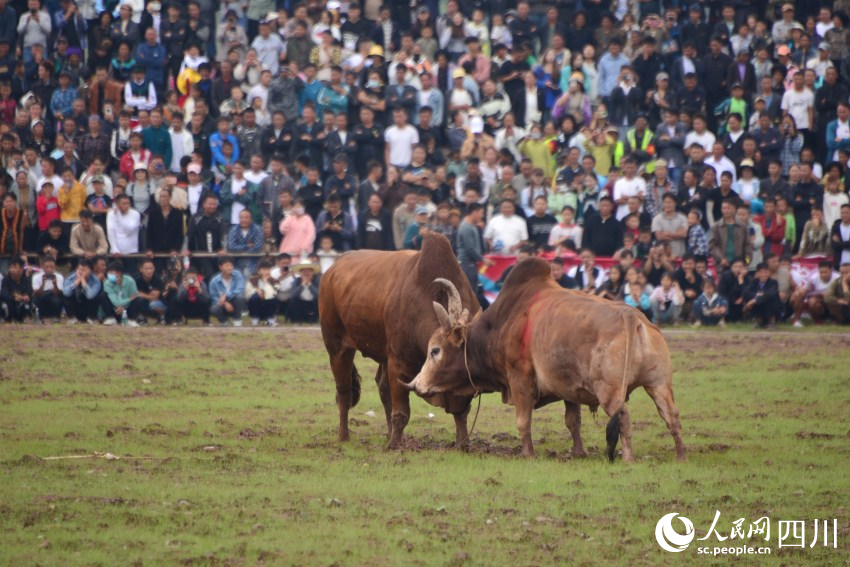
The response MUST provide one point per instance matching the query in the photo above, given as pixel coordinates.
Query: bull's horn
(455, 306)
(442, 316)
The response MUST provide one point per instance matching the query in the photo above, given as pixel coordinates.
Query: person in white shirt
(48, 173)
(268, 47)
(720, 162)
(122, 227)
(506, 232)
(809, 296)
(256, 173)
(195, 188)
(799, 102)
(139, 93)
(630, 185)
(510, 136)
(182, 143)
(699, 135)
(400, 138)
(261, 90)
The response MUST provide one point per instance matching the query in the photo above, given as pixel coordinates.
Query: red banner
(800, 269)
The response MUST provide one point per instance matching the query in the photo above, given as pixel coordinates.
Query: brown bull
(380, 303)
(539, 343)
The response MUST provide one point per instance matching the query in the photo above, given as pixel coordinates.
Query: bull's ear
(442, 316)
(458, 335)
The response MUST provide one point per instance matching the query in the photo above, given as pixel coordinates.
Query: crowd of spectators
(175, 160)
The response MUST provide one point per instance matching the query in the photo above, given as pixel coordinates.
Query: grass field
(227, 454)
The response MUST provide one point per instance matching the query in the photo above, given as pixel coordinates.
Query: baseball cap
(661, 163)
(662, 76)
(194, 168)
(824, 46)
(458, 73)
(476, 125)
(783, 50)
(420, 210)
(97, 179)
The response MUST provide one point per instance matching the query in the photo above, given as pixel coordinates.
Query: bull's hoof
(578, 453)
(527, 454)
(683, 458)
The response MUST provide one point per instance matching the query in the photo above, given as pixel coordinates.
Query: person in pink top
(298, 230)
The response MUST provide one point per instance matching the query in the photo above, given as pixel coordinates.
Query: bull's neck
(482, 364)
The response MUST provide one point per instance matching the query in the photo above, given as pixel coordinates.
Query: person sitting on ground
(614, 287)
(15, 293)
(731, 286)
(837, 297)
(150, 287)
(690, 283)
(666, 300)
(809, 295)
(761, 298)
(81, 292)
(710, 308)
(587, 275)
(120, 298)
(193, 298)
(227, 293)
(261, 291)
(303, 306)
(47, 286)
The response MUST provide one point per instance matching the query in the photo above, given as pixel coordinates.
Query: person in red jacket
(136, 155)
(773, 228)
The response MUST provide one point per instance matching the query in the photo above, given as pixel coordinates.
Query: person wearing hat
(820, 63)
(417, 230)
(478, 141)
(98, 203)
(140, 93)
(303, 306)
(781, 31)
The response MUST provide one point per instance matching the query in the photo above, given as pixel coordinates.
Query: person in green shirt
(790, 224)
(120, 297)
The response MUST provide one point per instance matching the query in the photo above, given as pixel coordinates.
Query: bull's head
(445, 367)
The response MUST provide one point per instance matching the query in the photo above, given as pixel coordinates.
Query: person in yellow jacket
(71, 197)
(639, 141)
(538, 150)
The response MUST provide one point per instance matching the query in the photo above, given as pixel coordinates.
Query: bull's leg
(663, 398)
(384, 391)
(524, 404)
(461, 416)
(400, 397)
(342, 364)
(572, 417)
(626, 435)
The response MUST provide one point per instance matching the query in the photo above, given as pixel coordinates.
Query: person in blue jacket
(152, 56)
(227, 293)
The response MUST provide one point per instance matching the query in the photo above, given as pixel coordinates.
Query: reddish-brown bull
(539, 343)
(380, 303)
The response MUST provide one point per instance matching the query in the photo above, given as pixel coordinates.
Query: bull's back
(353, 295)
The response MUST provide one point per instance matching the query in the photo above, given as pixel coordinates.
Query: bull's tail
(612, 431)
(612, 436)
(355, 386)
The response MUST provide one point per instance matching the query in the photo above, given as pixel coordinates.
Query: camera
(191, 281)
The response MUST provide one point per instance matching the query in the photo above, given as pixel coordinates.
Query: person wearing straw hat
(303, 307)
